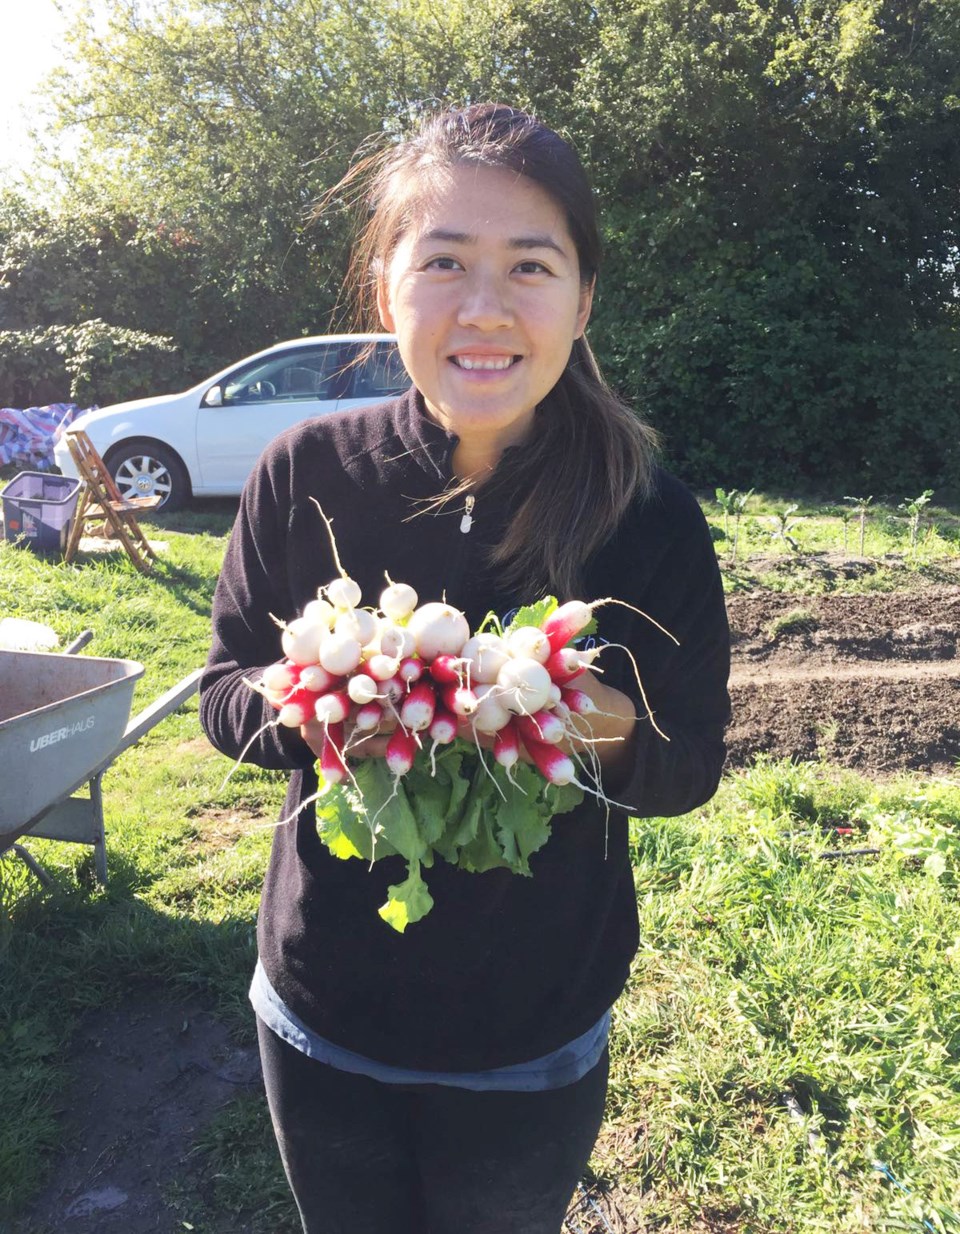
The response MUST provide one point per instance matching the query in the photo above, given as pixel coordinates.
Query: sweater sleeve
(253, 588)
(678, 768)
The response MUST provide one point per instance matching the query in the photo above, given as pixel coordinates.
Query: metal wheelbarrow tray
(63, 721)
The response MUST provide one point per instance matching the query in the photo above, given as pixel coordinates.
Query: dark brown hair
(591, 454)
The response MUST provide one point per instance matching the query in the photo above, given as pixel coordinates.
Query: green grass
(791, 1023)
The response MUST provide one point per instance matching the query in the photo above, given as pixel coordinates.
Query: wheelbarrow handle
(80, 641)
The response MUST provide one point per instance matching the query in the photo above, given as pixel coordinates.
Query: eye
(531, 267)
(442, 263)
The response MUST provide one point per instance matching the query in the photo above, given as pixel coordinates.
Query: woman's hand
(609, 731)
(374, 745)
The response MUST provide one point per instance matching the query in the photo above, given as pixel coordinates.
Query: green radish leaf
(408, 901)
(483, 852)
(337, 826)
(533, 614)
(389, 810)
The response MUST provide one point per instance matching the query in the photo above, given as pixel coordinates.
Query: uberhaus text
(61, 734)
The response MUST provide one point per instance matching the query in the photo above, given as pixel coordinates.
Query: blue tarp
(27, 436)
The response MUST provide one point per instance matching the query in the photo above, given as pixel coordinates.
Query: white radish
(358, 624)
(320, 612)
(397, 641)
(438, 629)
(485, 654)
(362, 689)
(529, 642)
(398, 601)
(340, 654)
(344, 593)
(301, 640)
(491, 715)
(525, 686)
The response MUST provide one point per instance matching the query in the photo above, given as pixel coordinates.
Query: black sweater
(504, 968)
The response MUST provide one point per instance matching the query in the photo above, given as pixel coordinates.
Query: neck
(475, 460)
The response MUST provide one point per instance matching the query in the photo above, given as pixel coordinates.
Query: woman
(452, 1079)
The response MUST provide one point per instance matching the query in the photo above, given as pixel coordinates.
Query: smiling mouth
(489, 364)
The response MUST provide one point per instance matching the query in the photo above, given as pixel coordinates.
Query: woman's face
(485, 298)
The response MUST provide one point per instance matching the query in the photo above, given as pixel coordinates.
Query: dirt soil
(870, 682)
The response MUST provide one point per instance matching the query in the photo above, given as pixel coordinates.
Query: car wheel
(148, 469)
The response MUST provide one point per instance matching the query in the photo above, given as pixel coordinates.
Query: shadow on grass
(77, 948)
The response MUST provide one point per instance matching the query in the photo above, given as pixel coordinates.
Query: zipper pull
(467, 521)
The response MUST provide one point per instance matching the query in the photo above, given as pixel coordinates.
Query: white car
(204, 442)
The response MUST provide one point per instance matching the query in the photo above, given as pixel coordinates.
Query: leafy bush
(89, 362)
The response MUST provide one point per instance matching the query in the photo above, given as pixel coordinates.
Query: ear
(585, 306)
(383, 306)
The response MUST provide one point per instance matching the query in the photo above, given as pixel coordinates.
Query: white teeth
(487, 362)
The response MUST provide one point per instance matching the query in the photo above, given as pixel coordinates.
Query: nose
(486, 303)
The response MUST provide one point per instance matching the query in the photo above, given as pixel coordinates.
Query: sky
(31, 31)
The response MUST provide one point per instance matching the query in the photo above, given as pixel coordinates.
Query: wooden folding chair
(100, 501)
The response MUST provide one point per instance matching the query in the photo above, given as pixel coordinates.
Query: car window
(309, 373)
(380, 375)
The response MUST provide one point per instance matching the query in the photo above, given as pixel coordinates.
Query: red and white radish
(316, 678)
(443, 727)
(410, 670)
(506, 746)
(368, 718)
(460, 700)
(279, 678)
(332, 708)
(332, 763)
(552, 763)
(417, 710)
(541, 726)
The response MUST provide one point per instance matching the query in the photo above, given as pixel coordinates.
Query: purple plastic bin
(38, 510)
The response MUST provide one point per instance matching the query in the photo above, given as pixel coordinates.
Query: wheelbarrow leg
(33, 865)
(99, 837)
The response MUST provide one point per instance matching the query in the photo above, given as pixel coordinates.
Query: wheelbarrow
(64, 719)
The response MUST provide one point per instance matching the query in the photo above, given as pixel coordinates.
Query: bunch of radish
(417, 671)
(443, 696)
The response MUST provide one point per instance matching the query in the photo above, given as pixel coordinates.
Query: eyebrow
(515, 242)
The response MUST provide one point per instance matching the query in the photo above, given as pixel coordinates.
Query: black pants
(363, 1157)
